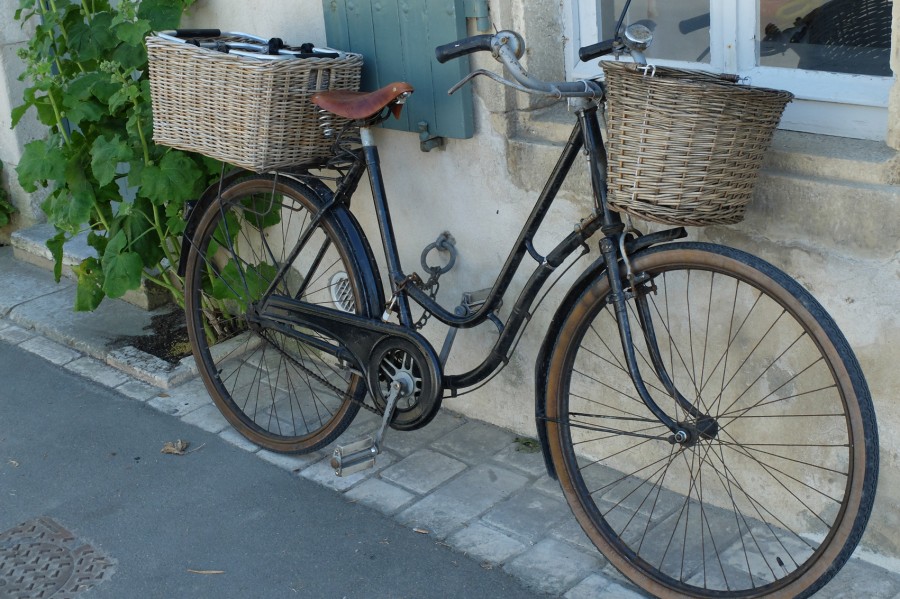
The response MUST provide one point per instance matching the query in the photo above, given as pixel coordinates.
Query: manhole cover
(40, 559)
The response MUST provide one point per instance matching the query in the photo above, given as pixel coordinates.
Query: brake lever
(506, 82)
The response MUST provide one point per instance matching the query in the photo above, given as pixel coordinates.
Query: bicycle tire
(776, 500)
(276, 390)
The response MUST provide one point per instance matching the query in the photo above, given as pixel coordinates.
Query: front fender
(634, 247)
(542, 363)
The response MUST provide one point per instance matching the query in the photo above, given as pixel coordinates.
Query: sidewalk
(468, 484)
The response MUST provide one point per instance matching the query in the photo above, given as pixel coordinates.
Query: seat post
(389, 242)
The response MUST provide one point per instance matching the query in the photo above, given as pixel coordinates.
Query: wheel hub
(690, 433)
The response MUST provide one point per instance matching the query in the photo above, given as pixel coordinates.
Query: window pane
(841, 36)
(680, 28)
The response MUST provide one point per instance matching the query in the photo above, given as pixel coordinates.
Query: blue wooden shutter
(397, 40)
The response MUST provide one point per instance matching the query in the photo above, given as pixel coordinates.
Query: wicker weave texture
(685, 147)
(252, 113)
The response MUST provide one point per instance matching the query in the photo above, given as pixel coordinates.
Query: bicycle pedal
(354, 457)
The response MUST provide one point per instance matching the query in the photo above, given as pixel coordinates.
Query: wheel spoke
(277, 390)
(746, 504)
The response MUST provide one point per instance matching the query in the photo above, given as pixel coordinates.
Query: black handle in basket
(197, 32)
(308, 50)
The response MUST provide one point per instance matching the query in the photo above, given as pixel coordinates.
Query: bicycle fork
(682, 433)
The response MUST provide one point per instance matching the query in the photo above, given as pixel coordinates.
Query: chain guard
(366, 342)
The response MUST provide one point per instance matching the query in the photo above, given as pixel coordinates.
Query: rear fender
(316, 190)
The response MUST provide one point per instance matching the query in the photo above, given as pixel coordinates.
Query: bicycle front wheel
(774, 491)
(280, 392)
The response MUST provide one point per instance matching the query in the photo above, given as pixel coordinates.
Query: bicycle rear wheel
(278, 391)
(775, 493)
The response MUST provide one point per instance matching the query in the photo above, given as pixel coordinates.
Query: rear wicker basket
(685, 147)
(249, 112)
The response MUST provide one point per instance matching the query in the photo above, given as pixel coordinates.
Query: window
(834, 55)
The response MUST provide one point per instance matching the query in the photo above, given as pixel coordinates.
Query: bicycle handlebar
(596, 50)
(507, 47)
(462, 47)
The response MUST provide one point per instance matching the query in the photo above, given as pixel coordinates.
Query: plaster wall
(13, 36)
(893, 136)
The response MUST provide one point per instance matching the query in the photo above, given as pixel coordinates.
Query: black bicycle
(709, 424)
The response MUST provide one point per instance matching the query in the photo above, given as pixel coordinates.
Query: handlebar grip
(197, 32)
(476, 43)
(596, 50)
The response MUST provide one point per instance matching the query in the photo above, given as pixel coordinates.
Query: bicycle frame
(585, 135)
(359, 334)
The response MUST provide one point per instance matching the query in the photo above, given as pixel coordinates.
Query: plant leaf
(106, 154)
(162, 14)
(248, 281)
(97, 241)
(82, 197)
(142, 236)
(80, 111)
(261, 212)
(55, 245)
(133, 32)
(122, 269)
(89, 291)
(18, 112)
(41, 161)
(173, 180)
(93, 40)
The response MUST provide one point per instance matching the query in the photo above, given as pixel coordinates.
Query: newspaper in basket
(241, 108)
(685, 147)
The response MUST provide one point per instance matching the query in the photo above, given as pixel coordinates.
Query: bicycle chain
(337, 390)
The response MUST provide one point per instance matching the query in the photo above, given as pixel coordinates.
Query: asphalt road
(216, 523)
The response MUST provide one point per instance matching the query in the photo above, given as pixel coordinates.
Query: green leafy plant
(86, 66)
(6, 206)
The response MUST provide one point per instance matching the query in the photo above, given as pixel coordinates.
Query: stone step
(828, 157)
(30, 245)
(847, 217)
(826, 193)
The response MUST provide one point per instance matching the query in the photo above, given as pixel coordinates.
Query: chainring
(394, 358)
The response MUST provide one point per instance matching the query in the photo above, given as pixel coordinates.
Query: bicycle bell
(508, 38)
(638, 37)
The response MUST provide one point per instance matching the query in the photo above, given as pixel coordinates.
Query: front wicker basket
(248, 112)
(685, 147)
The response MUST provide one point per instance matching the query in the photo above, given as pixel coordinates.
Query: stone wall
(13, 37)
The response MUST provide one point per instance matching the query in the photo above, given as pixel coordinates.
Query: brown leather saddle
(361, 106)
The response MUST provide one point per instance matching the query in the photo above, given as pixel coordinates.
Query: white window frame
(840, 104)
